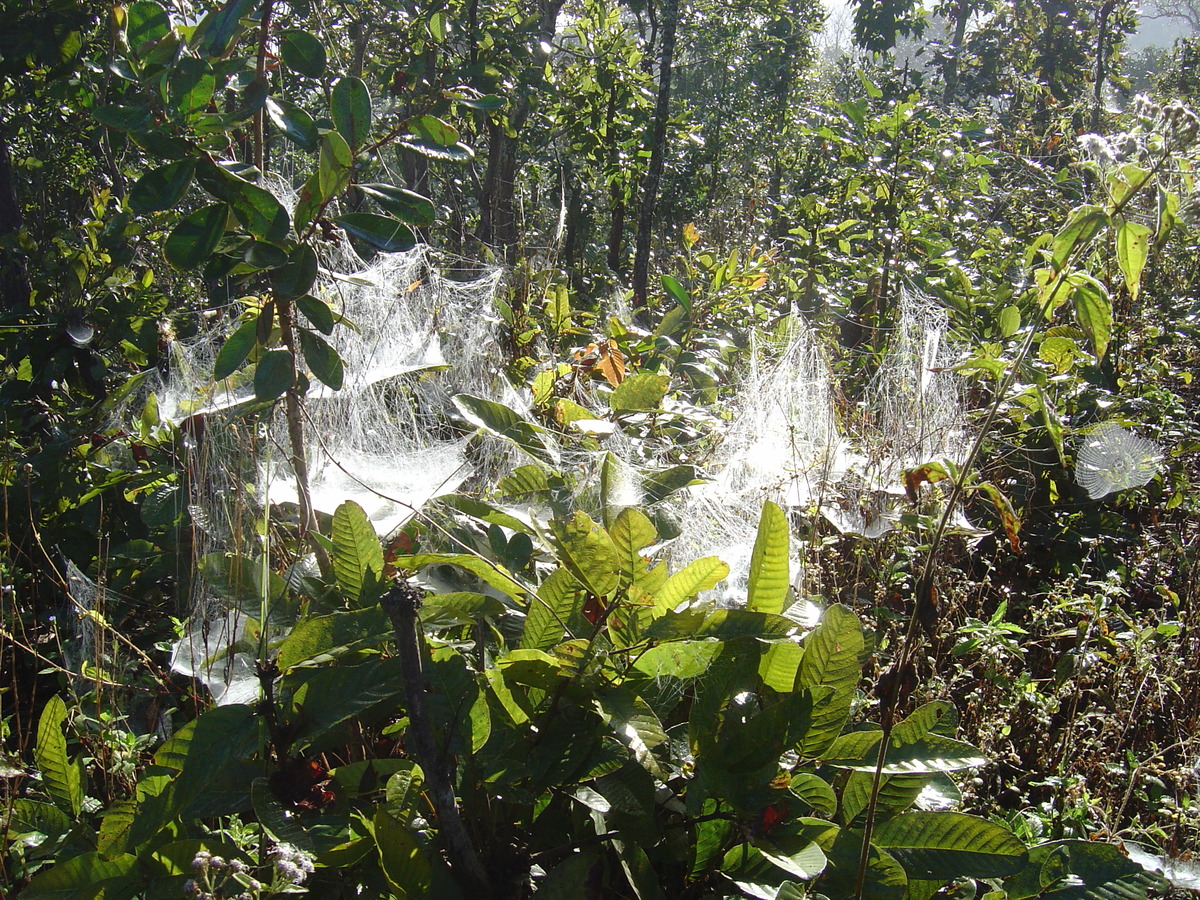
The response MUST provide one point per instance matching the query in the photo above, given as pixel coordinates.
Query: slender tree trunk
(658, 146)
(616, 189)
(498, 209)
(962, 12)
(1101, 62)
(14, 281)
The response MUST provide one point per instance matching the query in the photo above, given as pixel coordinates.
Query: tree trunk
(962, 12)
(14, 281)
(658, 146)
(498, 213)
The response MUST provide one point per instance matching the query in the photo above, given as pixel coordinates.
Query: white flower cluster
(219, 879)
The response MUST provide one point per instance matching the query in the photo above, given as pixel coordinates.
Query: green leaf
(676, 290)
(487, 103)
(558, 599)
(255, 208)
(63, 779)
(779, 666)
(195, 238)
(357, 554)
(496, 576)
(83, 877)
(896, 794)
(190, 86)
(1133, 248)
(1081, 870)
(333, 167)
(162, 188)
(588, 552)
(459, 152)
(205, 748)
(1093, 310)
(433, 130)
(659, 484)
(318, 313)
(770, 579)
(641, 392)
(295, 124)
(122, 118)
(302, 52)
(297, 277)
(833, 656)
(146, 22)
(350, 107)
(503, 422)
(944, 845)
(701, 575)
(631, 533)
(220, 27)
(235, 350)
(1009, 320)
(634, 723)
(274, 374)
(381, 232)
(678, 659)
(280, 824)
(815, 791)
(932, 753)
(405, 205)
(404, 865)
(1084, 223)
(324, 636)
(322, 360)
(325, 698)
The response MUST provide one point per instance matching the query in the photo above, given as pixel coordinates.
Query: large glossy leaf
(833, 656)
(1093, 310)
(235, 350)
(350, 106)
(634, 723)
(62, 778)
(146, 21)
(701, 575)
(405, 205)
(678, 659)
(123, 118)
(279, 823)
(201, 750)
(334, 163)
(503, 422)
(631, 533)
(931, 753)
(296, 278)
(400, 856)
(896, 795)
(195, 238)
(190, 86)
(588, 552)
(255, 208)
(163, 187)
(770, 579)
(1133, 249)
(494, 575)
(641, 392)
(381, 232)
(274, 374)
(220, 27)
(559, 598)
(325, 698)
(1081, 870)
(944, 845)
(433, 130)
(83, 877)
(326, 636)
(295, 124)
(662, 483)
(302, 52)
(1084, 223)
(357, 554)
(322, 360)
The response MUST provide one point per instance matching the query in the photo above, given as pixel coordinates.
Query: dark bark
(962, 12)
(616, 190)
(401, 604)
(658, 146)
(14, 281)
(498, 227)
